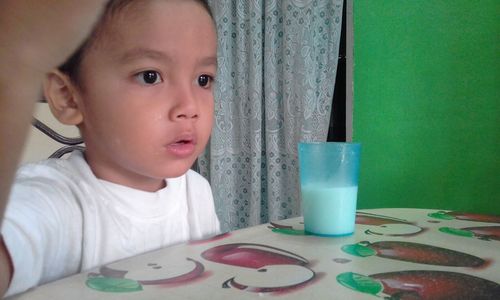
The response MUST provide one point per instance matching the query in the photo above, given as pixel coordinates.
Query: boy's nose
(185, 106)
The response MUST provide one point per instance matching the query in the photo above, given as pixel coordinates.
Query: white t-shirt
(61, 219)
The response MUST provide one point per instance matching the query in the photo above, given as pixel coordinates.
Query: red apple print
(261, 268)
(482, 232)
(252, 255)
(476, 217)
(422, 284)
(374, 219)
(117, 278)
(384, 225)
(438, 285)
(485, 232)
(449, 215)
(287, 229)
(415, 252)
(271, 279)
(155, 273)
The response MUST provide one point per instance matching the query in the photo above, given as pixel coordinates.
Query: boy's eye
(205, 80)
(149, 77)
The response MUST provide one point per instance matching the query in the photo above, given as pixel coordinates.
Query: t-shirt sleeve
(41, 232)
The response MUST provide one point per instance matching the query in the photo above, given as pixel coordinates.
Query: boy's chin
(176, 171)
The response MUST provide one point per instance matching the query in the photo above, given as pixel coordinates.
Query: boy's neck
(125, 178)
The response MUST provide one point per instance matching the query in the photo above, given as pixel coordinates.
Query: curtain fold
(275, 82)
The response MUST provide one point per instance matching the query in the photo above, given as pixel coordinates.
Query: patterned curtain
(277, 66)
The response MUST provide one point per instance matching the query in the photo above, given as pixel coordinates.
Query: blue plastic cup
(329, 173)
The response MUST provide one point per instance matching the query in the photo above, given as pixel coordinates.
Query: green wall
(427, 104)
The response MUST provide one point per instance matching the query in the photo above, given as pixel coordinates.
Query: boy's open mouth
(183, 146)
(183, 142)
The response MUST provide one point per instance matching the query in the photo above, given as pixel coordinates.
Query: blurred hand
(40, 34)
(35, 36)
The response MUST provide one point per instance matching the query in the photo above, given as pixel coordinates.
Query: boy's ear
(61, 94)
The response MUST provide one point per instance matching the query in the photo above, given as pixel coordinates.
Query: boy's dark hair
(71, 66)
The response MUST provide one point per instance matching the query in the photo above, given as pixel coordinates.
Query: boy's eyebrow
(208, 61)
(142, 52)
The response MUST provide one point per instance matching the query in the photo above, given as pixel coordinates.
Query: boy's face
(147, 93)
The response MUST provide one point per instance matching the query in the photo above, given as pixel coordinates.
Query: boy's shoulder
(69, 168)
(196, 180)
(193, 175)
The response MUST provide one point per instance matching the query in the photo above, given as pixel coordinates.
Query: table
(403, 253)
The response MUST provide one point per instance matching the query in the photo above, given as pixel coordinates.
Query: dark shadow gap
(337, 128)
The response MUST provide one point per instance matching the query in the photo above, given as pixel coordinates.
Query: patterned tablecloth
(394, 253)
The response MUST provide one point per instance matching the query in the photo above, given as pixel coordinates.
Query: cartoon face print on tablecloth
(387, 226)
(421, 284)
(261, 268)
(290, 229)
(451, 215)
(132, 276)
(414, 252)
(376, 225)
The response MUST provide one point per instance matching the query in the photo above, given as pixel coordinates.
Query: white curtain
(277, 66)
